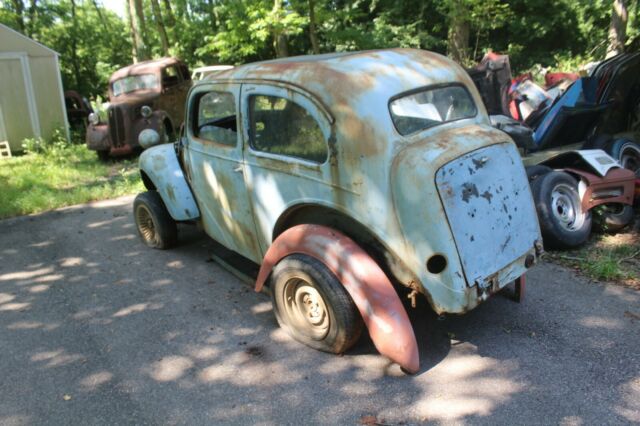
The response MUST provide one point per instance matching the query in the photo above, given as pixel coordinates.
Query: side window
(281, 126)
(216, 119)
(170, 77)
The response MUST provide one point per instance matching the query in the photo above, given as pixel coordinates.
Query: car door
(216, 169)
(286, 136)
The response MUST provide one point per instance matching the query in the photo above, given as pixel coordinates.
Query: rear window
(430, 107)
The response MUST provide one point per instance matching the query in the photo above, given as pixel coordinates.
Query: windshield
(134, 82)
(430, 107)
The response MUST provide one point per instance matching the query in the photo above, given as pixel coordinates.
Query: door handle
(238, 169)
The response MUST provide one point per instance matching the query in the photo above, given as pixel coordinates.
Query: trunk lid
(487, 200)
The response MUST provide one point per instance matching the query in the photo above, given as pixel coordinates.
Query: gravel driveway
(97, 329)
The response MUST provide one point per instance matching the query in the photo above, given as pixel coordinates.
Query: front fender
(160, 164)
(366, 283)
(97, 137)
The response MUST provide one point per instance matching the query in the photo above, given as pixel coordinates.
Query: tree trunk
(104, 22)
(279, 36)
(458, 38)
(33, 12)
(74, 47)
(617, 28)
(157, 14)
(136, 38)
(171, 20)
(313, 36)
(19, 9)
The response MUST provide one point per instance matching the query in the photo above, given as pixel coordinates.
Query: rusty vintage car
(146, 95)
(352, 180)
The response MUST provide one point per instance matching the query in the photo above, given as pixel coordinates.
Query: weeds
(56, 173)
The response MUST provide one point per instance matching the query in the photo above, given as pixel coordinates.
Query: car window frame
(293, 94)
(424, 89)
(197, 92)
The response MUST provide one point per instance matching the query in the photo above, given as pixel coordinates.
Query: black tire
(155, 226)
(627, 152)
(335, 323)
(103, 156)
(562, 221)
(615, 217)
(534, 172)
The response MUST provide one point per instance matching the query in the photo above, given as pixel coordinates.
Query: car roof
(145, 67)
(347, 74)
(213, 68)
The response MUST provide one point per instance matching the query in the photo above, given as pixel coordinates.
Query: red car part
(366, 283)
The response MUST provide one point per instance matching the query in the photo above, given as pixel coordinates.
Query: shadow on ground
(95, 328)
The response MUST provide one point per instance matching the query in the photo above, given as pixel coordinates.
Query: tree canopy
(93, 41)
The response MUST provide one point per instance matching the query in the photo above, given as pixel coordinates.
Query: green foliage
(93, 41)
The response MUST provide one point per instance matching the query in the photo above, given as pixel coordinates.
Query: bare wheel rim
(630, 159)
(305, 308)
(145, 224)
(566, 207)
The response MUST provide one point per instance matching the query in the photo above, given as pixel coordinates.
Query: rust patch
(469, 190)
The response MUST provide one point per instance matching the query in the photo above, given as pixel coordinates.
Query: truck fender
(160, 164)
(364, 280)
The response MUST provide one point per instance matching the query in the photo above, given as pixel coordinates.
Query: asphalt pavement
(95, 328)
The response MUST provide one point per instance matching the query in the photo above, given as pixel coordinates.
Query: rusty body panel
(368, 286)
(617, 186)
(125, 120)
(376, 187)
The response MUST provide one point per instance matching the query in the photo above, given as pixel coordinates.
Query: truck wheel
(627, 152)
(313, 306)
(615, 217)
(155, 226)
(103, 156)
(563, 222)
(534, 172)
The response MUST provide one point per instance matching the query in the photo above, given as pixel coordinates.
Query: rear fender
(366, 283)
(160, 164)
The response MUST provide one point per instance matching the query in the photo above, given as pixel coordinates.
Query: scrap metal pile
(576, 135)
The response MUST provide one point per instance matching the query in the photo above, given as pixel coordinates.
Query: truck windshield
(430, 107)
(134, 82)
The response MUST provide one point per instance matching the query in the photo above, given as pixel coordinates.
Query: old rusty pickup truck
(349, 178)
(146, 95)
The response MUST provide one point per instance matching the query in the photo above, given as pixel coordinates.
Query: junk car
(578, 146)
(146, 95)
(352, 180)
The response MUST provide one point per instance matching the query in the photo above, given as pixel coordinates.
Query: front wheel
(155, 226)
(563, 222)
(313, 306)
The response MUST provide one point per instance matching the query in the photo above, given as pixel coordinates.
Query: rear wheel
(155, 226)
(313, 306)
(563, 222)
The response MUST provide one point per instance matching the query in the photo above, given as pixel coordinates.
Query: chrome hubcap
(306, 308)
(566, 207)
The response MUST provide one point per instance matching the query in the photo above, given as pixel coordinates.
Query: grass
(62, 176)
(611, 258)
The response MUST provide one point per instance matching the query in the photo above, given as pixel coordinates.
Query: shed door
(14, 103)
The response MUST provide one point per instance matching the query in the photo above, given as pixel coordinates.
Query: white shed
(31, 93)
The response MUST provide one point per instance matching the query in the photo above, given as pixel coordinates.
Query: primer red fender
(366, 283)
